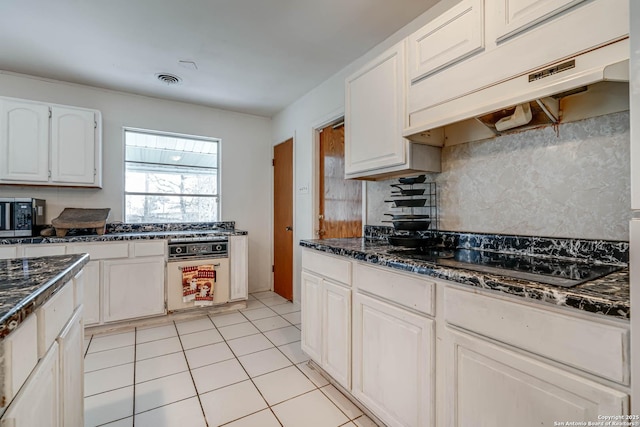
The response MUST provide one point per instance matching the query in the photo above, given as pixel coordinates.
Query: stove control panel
(217, 248)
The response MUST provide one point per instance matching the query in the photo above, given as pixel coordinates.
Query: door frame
(334, 117)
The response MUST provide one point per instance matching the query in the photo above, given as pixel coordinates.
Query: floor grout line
(236, 357)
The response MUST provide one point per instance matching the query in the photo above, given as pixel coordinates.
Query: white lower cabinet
(326, 314)
(490, 385)
(91, 298)
(392, 362)
(132, 288)
(239, 267)
(38, 404)
(123, 280)
(311, 309)
(336, 349)
(424, 352)
(71, 345)
(326, 326)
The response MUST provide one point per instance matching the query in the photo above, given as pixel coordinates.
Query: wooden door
(283, 219)
(340, 207)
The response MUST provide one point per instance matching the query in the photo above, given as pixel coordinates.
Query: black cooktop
(551, 271)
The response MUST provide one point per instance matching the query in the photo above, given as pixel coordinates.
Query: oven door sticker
(198, 284)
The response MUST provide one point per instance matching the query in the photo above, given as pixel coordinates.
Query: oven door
(174, 282)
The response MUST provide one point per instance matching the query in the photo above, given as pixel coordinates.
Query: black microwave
(21, 217)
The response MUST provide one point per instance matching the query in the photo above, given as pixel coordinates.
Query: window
(170, 178)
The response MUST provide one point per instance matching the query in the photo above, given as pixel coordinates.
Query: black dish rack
(416, 222)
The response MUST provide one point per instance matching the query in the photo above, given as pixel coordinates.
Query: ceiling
(252, 56)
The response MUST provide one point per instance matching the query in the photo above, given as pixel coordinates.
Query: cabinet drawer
(43, 250)
(408, 290)
(8, 252)
(598, 348)
(52, 317)
(149, 248)
(102, 251)
(20, 357)
(332, 267)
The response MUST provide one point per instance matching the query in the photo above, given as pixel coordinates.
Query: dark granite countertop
(608, 295)
(122, 236)
(27, 283)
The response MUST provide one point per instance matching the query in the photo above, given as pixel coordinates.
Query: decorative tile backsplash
(571, 181)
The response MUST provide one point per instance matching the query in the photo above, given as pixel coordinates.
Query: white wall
(245, 154)
(310, 112)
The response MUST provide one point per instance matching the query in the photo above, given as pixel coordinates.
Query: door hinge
(50, 114)
(273, 162)
(273, 268)
(95, 125)
(49, 174)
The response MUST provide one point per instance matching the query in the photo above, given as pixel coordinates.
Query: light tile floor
(238, 369)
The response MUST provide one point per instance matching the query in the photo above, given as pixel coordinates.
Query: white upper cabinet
(48, 144)
(454, 35)
(24, 141)
(73, 153)
(375, 114)
(515, 16)
(520, 37)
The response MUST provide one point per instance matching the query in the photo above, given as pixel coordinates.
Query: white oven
(189, 253)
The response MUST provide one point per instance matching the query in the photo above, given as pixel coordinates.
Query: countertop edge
(585, 301)
(28, 305)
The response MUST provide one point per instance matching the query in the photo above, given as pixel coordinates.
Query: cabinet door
(491, 385)
(91, 297)
(393, 362)
(24, 141)
(311, 309)
(336, 349)
(132, 288)
(375, 114)
(73, 145)
(239, 267)
(71, 345)
(37, 404)
(515, 16)
(452, 36)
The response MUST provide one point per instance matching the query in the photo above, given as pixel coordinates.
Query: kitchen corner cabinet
(49, 144)
(326, 314)
(239, 267)
(124, 280)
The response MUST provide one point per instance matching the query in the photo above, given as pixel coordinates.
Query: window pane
(147, 208)
(171, 180)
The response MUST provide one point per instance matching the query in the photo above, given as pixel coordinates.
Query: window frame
(125, 193)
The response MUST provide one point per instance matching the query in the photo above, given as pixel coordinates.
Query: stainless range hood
(588, 85)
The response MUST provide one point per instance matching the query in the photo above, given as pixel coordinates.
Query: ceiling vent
(168, 79)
